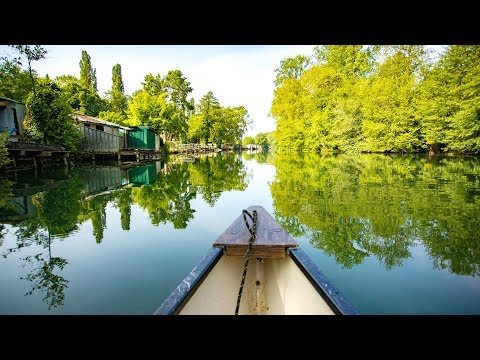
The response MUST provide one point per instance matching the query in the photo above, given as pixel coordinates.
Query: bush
(49, 119)
(4, 160)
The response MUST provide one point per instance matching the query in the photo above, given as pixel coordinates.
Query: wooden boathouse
(12, 113)
(104, 139)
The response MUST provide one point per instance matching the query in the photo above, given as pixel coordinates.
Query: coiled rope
(253, 231)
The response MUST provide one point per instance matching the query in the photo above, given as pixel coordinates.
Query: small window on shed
(99, 127)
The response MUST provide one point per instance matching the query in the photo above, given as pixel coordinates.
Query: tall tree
(154, 111)
(153, 84)
(352, 60)
(88, 78)
(291, 68)
(117, 81)
(450, 97)
(94, 81)
(207, 113)
(176, 89)
(117, 101)
(390, 113)
(31, 53)
(230, 125)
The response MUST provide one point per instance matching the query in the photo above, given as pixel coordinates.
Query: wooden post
(14, 162)
(34, 162)
(65, 162)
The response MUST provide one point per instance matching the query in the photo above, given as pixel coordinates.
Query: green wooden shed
(141, 137)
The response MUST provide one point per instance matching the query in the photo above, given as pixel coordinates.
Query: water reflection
(51, 205)
(353, 207)
(261, 157)
(360, 210)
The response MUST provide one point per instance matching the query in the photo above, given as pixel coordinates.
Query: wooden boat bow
(271, 240)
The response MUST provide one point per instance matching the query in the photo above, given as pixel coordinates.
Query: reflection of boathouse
(97, 181)
(143, 175)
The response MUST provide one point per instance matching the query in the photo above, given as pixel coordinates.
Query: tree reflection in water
(356, 206)
(81, 195)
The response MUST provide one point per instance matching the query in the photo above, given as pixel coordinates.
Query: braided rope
(253, 235)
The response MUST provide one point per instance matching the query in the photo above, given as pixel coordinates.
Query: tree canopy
(379, 99)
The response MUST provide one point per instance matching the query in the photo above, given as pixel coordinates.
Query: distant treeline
(379, 99)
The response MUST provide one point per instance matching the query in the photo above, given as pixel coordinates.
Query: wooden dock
(137, 155)
(194, 148)
(36, 152)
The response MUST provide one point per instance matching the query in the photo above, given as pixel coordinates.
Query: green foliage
(351, 60)
(49, 118)
(230, 127)
(213, 123)
(56, 216)
(291, 68)
(261, 139)
(174, 88)
(5, 193)
(45, 281)
(266, 140)
(168, 200)
(81, 100)
(153, 84)
(113, 117)
(381, 99)
(117, 81)
(206, 115)
(248, 140)
(15, 83)
(213, 175)
(88, 78)
(151, 110)
(117, 101)
(356, 206)
(272, 141)
(4, 159)
(449, 101)
(30, 53)
(123, 202)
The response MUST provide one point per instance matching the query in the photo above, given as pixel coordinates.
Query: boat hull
(291, 285)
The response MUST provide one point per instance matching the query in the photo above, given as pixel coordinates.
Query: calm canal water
(396, 234)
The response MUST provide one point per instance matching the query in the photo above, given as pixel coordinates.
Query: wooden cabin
(12, 114)
(101, 136)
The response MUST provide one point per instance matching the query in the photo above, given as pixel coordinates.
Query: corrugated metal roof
(15, 101)
(94, 120)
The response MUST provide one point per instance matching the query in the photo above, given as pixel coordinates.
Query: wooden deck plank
(271, 240)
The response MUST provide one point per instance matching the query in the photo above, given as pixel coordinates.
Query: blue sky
(237, 74)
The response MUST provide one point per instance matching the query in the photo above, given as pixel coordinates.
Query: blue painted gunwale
(179, 297)
(334, 298)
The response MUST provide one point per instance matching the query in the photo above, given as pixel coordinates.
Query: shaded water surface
(396, 234)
